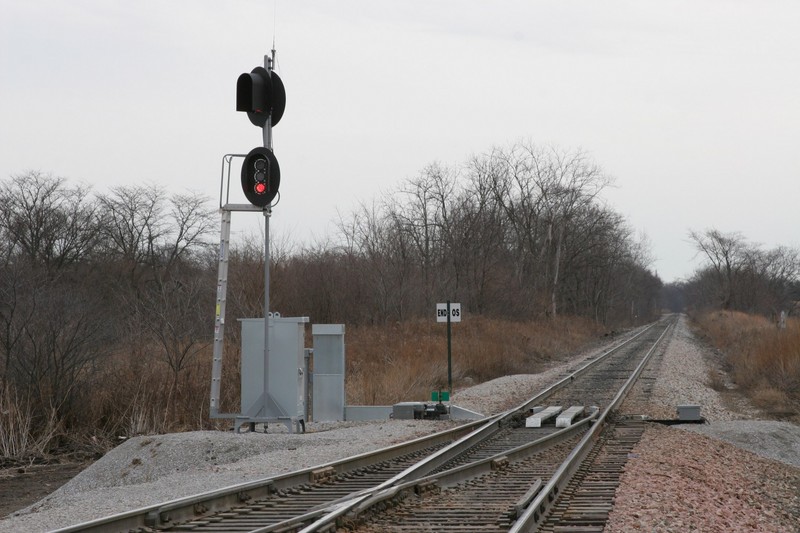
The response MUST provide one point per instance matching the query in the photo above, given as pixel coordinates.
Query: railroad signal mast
(261, 94)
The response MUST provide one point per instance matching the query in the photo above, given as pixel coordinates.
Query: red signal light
(261, 176)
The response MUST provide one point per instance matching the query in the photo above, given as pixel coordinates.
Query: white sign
(441, 312)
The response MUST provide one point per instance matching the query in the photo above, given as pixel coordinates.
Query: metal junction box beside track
(408, 410)
(286, 371)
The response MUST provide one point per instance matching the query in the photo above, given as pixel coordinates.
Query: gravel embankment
(675, 481)
(734, 473)
(150, 469)
(679, 481)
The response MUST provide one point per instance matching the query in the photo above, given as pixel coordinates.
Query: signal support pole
(267, 129)
(268, 62)
(261, 94)
(267, 215)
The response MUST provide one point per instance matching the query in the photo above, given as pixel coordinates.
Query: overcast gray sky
(691, 106)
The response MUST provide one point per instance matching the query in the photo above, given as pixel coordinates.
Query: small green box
(440, 396)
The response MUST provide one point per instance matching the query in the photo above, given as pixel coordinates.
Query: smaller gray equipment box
(408, 410)
(689, 413)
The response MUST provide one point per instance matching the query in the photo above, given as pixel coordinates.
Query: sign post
(449, 312)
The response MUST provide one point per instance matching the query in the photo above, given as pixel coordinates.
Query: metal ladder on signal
(219, 321)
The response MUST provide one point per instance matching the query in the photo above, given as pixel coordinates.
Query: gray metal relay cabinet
(286, 373)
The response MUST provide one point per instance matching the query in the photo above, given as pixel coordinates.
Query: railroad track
(443, 482)
(570, 487)
(290, 495)
(587, 499)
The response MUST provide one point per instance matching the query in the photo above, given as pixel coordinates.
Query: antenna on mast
(274, 26)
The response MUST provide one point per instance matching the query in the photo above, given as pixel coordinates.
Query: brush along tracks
(518, 468)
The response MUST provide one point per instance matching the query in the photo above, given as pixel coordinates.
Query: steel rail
(441, 457)
(454, 476)
(449, 452)
(368, 497)
(538, 509)
(189, 507)
(528, 404)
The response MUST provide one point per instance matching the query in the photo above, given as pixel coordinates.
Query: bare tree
(191, 220)
(511, 174)
(540, 190)
(131, 223)
(175, 312)
(481, 246)
(421, 213)
(782, 274)
(375, 237)
(568, 183)
(64, 337)
(47, 332)
(46, 221)
(725, 252)
(19, 293)
(743, 276)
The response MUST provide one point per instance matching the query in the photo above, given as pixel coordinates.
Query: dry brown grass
(406, 361)
(764, 361)
(21, 437)
(135, 393)
(716, 380)
(771, 399)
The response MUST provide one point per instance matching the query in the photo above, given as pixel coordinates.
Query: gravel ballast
(151, 469)
(735, 473)
(680, 481)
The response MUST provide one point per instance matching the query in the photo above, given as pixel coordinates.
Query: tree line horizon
(100, 290)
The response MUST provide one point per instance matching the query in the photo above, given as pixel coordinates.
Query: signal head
(261, 176)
